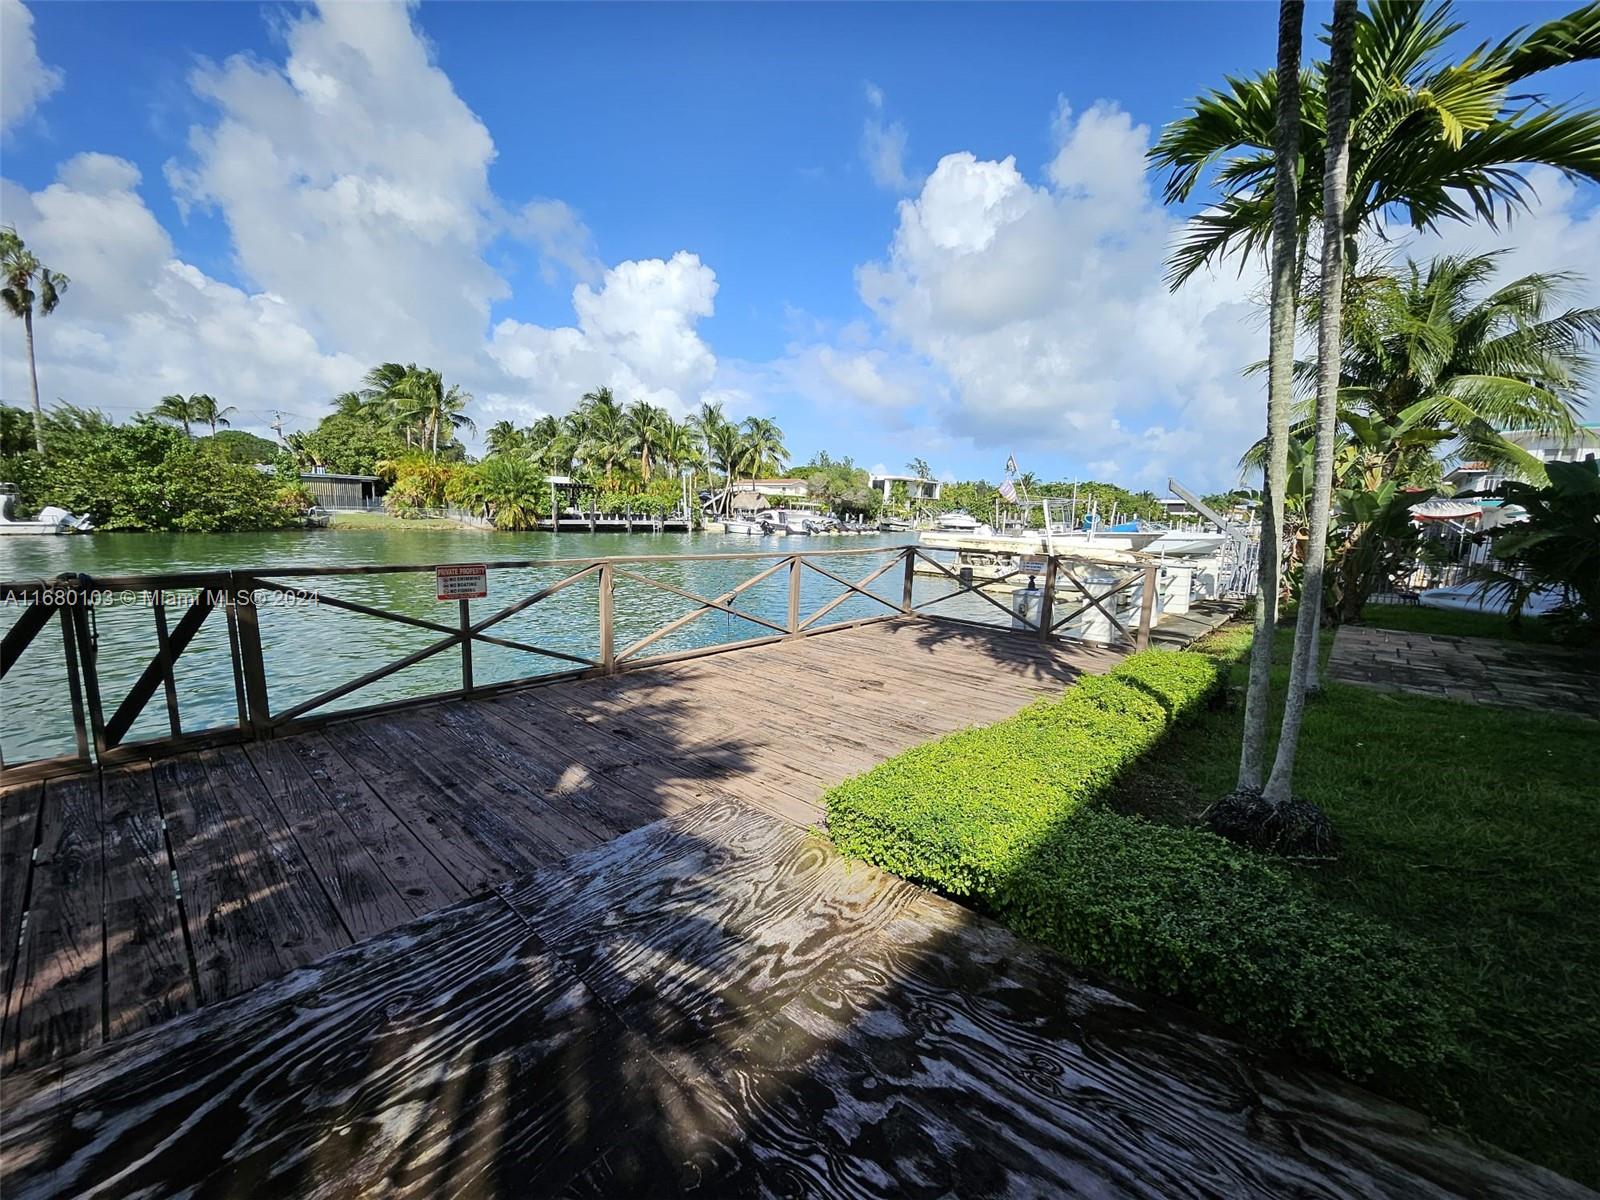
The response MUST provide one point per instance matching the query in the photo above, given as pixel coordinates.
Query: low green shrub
(1004, 817)
(1189, 915)
(959, 812)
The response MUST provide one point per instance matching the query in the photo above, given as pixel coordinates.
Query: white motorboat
(740, 525)
(50, 521)
(788, 520)
(960, 522)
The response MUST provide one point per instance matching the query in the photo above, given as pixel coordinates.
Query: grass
(354, 521)
(1478, 831)
(1414, 618)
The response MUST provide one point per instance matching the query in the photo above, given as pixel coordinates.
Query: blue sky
(901, 230)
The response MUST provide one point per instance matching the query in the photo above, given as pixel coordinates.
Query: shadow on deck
(576, 940)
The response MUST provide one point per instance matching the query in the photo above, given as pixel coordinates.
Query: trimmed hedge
(958, 814)
(1004, 816)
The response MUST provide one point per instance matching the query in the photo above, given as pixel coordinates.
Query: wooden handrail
(74, 597)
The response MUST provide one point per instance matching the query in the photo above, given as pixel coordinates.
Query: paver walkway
(1472, 670)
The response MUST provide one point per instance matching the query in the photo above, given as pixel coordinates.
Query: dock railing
(105, 705)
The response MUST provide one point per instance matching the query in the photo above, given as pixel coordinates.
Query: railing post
(794, 594)
(911, 579)
(242, 599)
(69, 647)
(1147, 607)
(83, 634)
(608, 648)
(466, 644)
(1047, 602)
(169, 682)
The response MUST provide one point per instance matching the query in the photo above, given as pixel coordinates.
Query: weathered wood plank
(416, 801)
(709, 918)
(957, 1059)
(58, 1004)
(454, 1056)
(149, 974)
(19, 823)
(429, 879)
(410, 866)
(254, 907)
(365, 898)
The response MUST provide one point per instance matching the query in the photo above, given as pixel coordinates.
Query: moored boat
(50, 521)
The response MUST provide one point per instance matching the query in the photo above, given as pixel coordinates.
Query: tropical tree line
(1312, 165)
(146, 474)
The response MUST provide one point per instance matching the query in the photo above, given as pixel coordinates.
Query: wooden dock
(578, 938)
(145, 891)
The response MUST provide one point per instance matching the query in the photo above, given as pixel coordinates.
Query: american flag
(1008, 492)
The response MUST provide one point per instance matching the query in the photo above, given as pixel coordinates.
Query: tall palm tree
(679, 446)
(1280, 382)
(503, 437)
(765, 445)
(1340, 75)
(29, 287)
(181, 410)
(598, 426)
(728, 451)
(208, 411)
(644, 428)
(1430, 140)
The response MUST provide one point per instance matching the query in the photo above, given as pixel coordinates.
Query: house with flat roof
(334, 490)
(917, 488)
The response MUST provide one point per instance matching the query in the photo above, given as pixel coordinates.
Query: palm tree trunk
(33, 378)
(1280, 382)
(1329, 343)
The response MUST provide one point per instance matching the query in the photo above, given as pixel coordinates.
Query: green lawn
(1477, 830)
(1413, 618)
(351, 521)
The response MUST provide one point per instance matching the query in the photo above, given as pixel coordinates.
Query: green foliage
(238, 446)
(511, 488)
(347, 444)
(1189, 915)
(1469, 829)
(1557, 546)
(963, 812)
(1004, 817)
(152, 477)
(422, 484)
(840, 484)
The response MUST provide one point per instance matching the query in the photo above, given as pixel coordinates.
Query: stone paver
(1470, 670)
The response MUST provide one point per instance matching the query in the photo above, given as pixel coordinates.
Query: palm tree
(728, 452)
(29, 286)
(679, 446)
(765, 445)
(644, 428)
(179, 409)
(1340, 75)
(205, 409)
(598, 427)
(1430, 140)
(419, 401)
(504, 437)
(1280, 370)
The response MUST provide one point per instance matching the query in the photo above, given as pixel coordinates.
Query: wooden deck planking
(255, 908)
(149, 973)
(277, 852)
(19, 823)
(57, 993)
(365, 897)
(715, 1004)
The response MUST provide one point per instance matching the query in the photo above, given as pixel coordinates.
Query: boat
(50, 521)
(960, 522)
(740, 525)
(895, 525)
(789, 520)
(318, 517)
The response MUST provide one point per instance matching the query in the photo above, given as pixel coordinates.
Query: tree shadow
(710, 1002)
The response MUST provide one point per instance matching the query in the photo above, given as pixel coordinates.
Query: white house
(917, 488)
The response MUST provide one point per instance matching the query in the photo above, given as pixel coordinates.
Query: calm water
(309, 649)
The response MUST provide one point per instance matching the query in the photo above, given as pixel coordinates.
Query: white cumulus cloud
(25, 80)
(636, 333)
